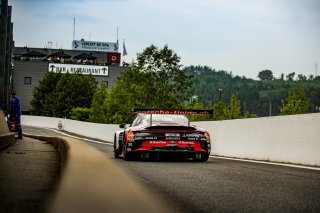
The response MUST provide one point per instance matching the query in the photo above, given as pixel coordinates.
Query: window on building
(27, 80)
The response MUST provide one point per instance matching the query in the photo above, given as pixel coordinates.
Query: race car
(158, 132)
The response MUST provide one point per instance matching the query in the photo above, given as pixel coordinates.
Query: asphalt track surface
(222, 185)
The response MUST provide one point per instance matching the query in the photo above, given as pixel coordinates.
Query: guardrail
(90, 182)
(289, 139)
(93, 130)
(6, 137)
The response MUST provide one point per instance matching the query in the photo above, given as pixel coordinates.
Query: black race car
(160, 132)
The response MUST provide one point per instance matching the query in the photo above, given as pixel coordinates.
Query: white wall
(99, 131)
(292, 139)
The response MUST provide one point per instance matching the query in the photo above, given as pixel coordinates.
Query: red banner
(114, 58)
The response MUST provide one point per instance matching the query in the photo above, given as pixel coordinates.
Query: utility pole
(6, 44)
(270, 108)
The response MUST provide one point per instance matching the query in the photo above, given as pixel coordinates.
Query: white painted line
(265, 162)
(85, 139)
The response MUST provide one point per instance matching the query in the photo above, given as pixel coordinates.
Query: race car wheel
(204, 157)
(116, 151)
(126, 156)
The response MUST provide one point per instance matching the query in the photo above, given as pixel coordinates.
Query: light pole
(220, 91)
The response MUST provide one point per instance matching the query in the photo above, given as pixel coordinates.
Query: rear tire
(116, 151)
(126, 156)
(204, 157)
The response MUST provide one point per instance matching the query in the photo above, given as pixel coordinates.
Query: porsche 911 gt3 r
(159, 132)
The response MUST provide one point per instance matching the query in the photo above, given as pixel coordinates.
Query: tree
(42, 94)
(197, 104)
(72, 91)
(133, 89)
(260, 97)
(290, 76)
(157, 80)
(219, 111)
(80, 114)
(265, 75)
(57, 94)
(302, 77)
(234, 109)
(295, 103)
(281, 77)
(97, 111)
(171, 83)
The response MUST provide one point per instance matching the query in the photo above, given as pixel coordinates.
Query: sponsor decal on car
(158, 142)
(174, 112)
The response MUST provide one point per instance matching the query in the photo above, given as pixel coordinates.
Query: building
(6, 44)
(31, 64)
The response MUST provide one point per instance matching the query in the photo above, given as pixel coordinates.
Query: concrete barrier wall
(91, 182)
(99, 131)
(290, 139)
(6, 137)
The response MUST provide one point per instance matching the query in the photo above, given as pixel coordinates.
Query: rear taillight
(129, 136)
(207, 137)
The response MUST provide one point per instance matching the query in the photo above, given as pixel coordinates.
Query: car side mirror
(123, 125)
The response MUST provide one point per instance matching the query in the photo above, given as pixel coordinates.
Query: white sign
(79, 68)
(95, 46)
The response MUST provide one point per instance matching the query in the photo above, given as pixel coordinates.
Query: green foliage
(295, 103)
(233, 109)
(57, 94)
(80, 114)
(157, 80)
(98, 112)
(198, 105)
(290, 76)
(250, 115)
(129, 91)
(265, 75)
(256, 96)
(219, 109)
(73, 90)
(43, 97)
(170, 85)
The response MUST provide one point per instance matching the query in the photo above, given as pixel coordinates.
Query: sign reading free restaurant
(95, 46)
(79, 68)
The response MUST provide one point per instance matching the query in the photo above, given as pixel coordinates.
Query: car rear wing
(186, 112)
(173, 111)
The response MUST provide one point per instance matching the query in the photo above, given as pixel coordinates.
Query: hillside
(261, 97)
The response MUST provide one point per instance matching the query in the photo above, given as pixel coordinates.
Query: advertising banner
(79, 68)
(114, 58)
(95, 46)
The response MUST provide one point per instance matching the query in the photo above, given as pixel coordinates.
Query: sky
(239, 36)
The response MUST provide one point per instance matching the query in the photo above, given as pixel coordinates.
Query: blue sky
(238, 36)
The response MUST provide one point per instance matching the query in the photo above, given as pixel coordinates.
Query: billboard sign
(79, 68)
(114, 58)
(95, 46)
